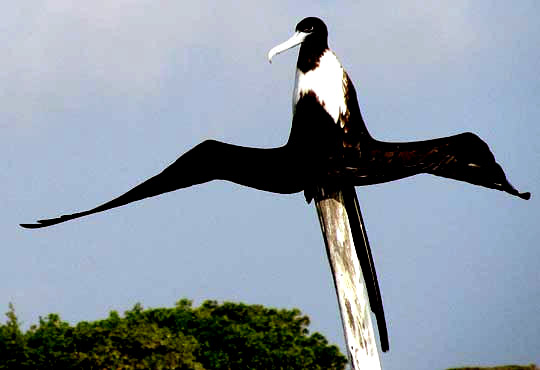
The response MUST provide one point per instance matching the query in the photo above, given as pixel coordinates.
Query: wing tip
(33, 226)
(29, 226)
(45, 223)
(526, 195)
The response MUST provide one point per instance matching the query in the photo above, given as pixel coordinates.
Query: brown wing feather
(463, 157)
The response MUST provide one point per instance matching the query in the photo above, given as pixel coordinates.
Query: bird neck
(310, 54)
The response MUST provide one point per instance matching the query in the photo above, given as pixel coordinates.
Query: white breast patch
(327, 81)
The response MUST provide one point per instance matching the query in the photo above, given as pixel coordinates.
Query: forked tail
(363, 252)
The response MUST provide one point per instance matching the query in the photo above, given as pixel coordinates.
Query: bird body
(326, 82)
(327, 120)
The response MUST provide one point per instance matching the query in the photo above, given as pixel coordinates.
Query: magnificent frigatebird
(328, 144)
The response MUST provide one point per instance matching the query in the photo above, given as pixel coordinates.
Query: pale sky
(95, 98)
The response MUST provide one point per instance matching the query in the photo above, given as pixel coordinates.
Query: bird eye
(309, 29)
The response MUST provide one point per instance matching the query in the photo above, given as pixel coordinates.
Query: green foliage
(212, 336)
(12, 343)
(239, 336)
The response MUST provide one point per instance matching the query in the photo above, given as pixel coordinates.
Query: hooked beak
(296, 39)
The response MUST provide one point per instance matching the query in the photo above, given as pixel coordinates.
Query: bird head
(310, 31)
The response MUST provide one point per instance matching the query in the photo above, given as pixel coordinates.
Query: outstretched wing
(151, 187)
(159, 184)
(463, 157)
(274, 170)
(467, 158)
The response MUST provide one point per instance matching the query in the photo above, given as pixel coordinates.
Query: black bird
(328, 144)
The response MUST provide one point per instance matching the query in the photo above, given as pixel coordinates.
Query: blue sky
(96, 97)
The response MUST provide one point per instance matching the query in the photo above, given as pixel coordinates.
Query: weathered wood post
(348, 280)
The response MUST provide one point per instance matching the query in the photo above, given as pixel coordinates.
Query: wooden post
(348, 280)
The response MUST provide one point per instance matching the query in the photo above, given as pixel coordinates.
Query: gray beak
(296, 39)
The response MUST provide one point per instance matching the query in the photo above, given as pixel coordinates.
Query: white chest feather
(327, 82)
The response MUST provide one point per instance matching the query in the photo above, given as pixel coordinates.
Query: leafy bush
(212, 336)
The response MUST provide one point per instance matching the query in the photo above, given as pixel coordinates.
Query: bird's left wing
(274, 170)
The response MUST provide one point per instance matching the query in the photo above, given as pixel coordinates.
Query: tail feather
(363, 252)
